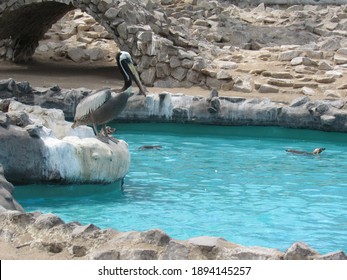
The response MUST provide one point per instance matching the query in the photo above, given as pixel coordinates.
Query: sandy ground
(9, 252)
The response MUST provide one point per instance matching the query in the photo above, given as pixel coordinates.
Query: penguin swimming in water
(316, 151)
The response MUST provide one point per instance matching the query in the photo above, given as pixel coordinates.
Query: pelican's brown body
(105, 105)
(113, 104)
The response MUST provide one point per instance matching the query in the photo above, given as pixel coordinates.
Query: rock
(226, 65)
(322, 107)
(106, 255)
(243, 85)
(77, 251)
(327, 120)
(332, 93)
(19, 118)
(112, 13)
(323, 65)
(289, 55)
(333, 256)
(155, 236)
(95, 54)
(343, 86)
(201, 22)
(176, 251)
(141, 254)
(223, 75)
(207, 242)
(300, 251)
(264, 88)
(42, 162)
(308, 91)
(281, 75)
(51, 247)
(47, 221)
(7, 201)
(179, 73)
(342, 51)
(250, 253)
(305, 84)
(334, 73)
(148, 76)
(76, 54)
(280, 82)
(325, 79)
(296, 61)
(340, 59)
(309, 62)
(300, 101)
(4, 120)
(84, 230)
(21, 220)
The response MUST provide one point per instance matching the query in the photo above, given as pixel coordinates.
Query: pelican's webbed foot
(103, 138)
(114, 140)
(106, 134)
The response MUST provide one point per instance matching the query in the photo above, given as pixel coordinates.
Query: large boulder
(6, 199)
(46, 148)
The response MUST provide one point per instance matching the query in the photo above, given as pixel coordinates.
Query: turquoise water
(232, 182)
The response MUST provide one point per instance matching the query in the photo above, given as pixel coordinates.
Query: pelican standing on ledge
(104, 106)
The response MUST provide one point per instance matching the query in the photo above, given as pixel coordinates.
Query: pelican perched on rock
(105, 105)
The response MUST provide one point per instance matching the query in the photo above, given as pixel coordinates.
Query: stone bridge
(139, 27)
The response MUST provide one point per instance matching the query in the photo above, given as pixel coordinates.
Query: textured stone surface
(179, 34)
(61, 241)
(6, 199)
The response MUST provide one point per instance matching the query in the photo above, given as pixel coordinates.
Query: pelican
(105, 105)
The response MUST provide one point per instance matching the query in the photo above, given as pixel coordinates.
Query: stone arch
(26, 25)
(27, 21)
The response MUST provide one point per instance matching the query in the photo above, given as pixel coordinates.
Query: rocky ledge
(55, 239)
(38, 145)
(329, 114)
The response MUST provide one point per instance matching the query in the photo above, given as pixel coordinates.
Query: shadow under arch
(24, 27)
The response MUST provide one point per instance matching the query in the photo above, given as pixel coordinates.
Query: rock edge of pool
(46, 236)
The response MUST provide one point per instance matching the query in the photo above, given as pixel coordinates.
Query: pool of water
(232, 182)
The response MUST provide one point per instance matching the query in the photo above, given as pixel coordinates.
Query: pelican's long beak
(136, 78)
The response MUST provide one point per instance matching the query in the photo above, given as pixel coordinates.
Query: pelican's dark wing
(91, 103)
